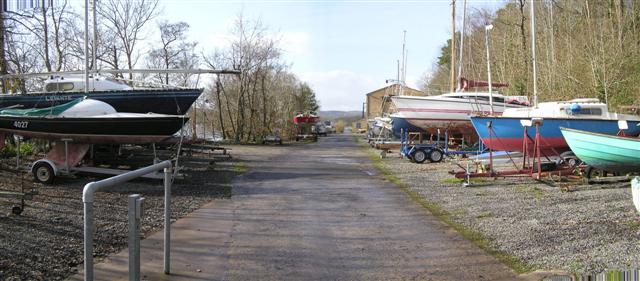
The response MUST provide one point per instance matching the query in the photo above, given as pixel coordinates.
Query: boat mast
(401, 74)
(95, 37)
(533, 54)
(86, 45)
(398, 80)
(486, 42)
(404, 70)
(453, 44)
(464, 15)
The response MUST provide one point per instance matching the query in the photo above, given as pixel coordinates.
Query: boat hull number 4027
(21, 124)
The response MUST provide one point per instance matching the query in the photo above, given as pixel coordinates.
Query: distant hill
(335, 114)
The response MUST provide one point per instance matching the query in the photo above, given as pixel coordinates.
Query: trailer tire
(436, 155)
(43, 173)
(420, 156)
(593, 172)
(571, 159)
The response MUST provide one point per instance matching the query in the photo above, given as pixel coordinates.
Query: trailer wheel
(436, 155)
(43, 172)
(593, 173)
(420, 156)
(571, 159)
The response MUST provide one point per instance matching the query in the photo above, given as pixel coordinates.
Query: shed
(378, 101)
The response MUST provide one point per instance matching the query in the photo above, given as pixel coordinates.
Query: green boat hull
(605, 152)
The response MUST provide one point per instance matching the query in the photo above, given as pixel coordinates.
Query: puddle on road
(370, 173)
(337, 159)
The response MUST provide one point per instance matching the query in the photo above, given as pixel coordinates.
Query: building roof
(391, 86)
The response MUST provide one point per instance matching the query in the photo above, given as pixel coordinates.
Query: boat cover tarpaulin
(465, 84)
(306, 118)
(51, 111)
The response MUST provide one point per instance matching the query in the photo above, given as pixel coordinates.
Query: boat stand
(532, 165)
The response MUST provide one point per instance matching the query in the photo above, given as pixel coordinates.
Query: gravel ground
(46, 241)
(585, 231)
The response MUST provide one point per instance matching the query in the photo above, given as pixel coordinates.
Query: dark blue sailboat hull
(173, 101)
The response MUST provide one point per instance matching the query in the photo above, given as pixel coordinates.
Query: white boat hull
(442, 110)
(428, 114)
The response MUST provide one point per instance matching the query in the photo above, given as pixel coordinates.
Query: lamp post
(486, 42)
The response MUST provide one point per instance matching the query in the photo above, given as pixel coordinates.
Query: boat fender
(635, 192)
(53, 165)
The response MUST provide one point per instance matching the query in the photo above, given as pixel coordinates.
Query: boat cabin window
(590, 111)
(500, 100)
(481, 98)
(59, 87)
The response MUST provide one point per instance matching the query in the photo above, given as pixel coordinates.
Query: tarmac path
(312, 212)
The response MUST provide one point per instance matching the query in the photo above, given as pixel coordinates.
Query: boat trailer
(432, 151)
(64, 159)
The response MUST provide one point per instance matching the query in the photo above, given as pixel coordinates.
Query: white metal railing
(87, 199)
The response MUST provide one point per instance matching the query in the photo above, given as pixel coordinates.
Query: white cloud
(413, 82)
(218, 41)
(295, 43)
(341, 89)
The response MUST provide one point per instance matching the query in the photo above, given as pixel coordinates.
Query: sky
(342, 48)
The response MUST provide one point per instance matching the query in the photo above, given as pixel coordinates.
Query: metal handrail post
(87, 199)
(135, 215)
(88, 240)
(167, 220)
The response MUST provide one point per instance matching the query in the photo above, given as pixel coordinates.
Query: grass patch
(535, 191)
(240, 167)
(633, 224)
(459, 212)
(486, 214)
(460, 181)
(452, 180)
(474, 236)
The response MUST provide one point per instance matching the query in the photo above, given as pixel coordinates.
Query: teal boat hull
(605, 152)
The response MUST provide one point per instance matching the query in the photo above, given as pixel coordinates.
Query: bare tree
(127, 20)
(264, 98)
(175, 52)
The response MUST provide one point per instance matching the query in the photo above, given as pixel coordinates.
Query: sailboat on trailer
(450, 111)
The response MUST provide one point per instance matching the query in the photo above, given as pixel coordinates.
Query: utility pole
(464, 15)
(533, 54)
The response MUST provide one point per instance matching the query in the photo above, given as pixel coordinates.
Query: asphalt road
(313, 212)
